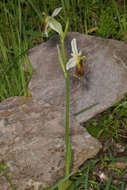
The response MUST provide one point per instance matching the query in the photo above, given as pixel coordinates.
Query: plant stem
(67, 159)
(68, 146)
(63, 51)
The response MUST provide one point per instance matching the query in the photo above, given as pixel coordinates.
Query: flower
(76, 60)
(49, 21)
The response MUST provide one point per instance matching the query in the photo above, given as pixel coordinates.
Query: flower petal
(71, 63)
(56, 11)
(74, 46)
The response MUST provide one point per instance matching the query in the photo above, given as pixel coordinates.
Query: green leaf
(36, 10)
(86, 179)
(61, 181)
(66, 28)
(108, 185)
(33, 33)
(66, 185)
(3, 50)
(61, 61)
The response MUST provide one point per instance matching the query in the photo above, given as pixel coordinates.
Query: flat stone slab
(32, 143)
(104, 81)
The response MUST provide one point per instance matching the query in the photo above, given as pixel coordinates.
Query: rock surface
(32, 129)
(32, 143)
(103, 84)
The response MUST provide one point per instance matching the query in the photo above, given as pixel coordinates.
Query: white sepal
(56, 11)
(74, 46)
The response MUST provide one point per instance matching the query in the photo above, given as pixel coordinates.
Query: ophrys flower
(76, 60)
(50, 22)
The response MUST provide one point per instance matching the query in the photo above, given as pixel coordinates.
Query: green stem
(63, 51)
(68, 146)
(67, 162)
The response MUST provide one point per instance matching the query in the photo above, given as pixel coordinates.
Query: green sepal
(56, 26)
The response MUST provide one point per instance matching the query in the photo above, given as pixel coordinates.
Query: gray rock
(32, 143)
(103, 84)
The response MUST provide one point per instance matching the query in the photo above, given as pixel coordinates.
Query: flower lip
(71, 63)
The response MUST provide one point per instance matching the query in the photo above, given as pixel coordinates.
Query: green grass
(13, 49)
(88, 176)
(111, 123)
(20, 30)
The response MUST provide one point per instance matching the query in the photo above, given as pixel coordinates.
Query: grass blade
(85, 109)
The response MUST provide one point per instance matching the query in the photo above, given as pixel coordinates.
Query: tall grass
(13, 49)
(20, 29)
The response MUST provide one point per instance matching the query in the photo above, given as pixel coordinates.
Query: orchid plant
(75, 61)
